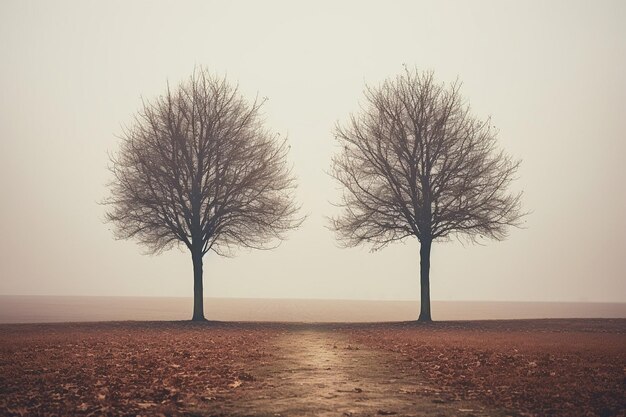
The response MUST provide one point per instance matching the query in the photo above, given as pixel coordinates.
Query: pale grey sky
(551, 75)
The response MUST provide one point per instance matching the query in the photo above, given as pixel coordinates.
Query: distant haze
(52, 309)
(550, 74)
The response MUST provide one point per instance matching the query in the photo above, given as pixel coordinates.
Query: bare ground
(317, 372)
(531, 367)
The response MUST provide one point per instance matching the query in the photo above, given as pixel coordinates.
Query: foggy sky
(550, 74)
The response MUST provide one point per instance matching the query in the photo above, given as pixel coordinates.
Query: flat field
(574, 367)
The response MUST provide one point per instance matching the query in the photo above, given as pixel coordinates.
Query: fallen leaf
(236, 383)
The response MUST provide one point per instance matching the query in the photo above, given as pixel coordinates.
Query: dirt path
(316, 372)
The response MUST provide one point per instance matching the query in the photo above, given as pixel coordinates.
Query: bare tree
(415, 162)
(197, 168)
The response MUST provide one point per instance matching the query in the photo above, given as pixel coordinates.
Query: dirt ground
(529, 367)
(499, 368)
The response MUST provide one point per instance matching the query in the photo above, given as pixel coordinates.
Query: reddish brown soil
(123, 368)
(535, 367)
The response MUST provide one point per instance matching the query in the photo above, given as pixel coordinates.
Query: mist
(549, 75)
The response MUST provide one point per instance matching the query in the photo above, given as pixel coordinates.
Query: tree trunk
(198, 300)
(425, 281)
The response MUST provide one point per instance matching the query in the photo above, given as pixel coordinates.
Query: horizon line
(315, 299)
